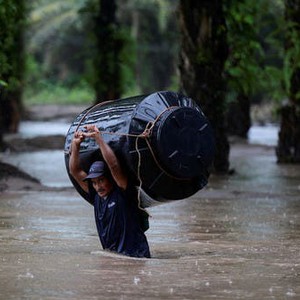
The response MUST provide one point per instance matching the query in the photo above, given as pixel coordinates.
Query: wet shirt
(118, 225)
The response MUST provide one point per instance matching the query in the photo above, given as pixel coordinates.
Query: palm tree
(88, 30)
(12, 15)
(56, 30)
(288, 148)
(203, 53)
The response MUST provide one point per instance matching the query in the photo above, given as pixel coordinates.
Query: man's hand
(93, 132)
(108, 155)
(78, 138)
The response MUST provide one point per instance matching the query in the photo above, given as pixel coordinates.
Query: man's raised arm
(74, 163)
(109, 156)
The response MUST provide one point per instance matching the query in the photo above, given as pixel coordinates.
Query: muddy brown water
(239, 238)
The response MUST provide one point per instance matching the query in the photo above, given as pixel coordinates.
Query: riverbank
(12, 178)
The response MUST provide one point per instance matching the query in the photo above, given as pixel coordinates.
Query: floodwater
(239, 238)
(263, 135)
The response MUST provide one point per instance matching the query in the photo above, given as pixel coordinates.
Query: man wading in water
(117, 215)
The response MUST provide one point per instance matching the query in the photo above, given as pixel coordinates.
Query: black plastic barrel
(171, 163)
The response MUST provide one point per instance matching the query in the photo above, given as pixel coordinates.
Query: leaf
(3, 83)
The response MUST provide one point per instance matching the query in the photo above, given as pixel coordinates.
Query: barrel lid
(183, 142)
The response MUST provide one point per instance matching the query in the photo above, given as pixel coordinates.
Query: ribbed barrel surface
(173, 160)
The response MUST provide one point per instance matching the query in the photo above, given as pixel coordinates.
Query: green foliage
(282, 49)
(272, 77)
(292, 59)
(62, 48)
(11, 29)
(256, 38)
(47, 93)
(12, 26)
(57, 41)
(272, 38)
(3, 83)
(153, 27)
(127, 62)
(243, 66)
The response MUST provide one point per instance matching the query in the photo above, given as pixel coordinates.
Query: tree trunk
(288, 148)
(10, 110)
(238, 117)
(203, 53)
(11, 65)
(108, 81)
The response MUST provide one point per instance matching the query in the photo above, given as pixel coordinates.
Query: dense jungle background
(238, 60)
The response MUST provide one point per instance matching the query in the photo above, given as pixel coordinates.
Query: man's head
(99, 176)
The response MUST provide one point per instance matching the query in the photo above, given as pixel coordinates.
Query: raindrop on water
(136, 280)
(290, 293)
(27, 275)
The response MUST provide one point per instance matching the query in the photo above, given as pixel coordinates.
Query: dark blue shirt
(118, 224)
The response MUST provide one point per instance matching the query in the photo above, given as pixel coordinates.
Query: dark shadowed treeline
(204, 50)
(12, 27)
(288, 149)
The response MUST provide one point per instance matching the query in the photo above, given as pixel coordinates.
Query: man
(114, 198)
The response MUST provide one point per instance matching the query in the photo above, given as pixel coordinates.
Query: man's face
(102, 185)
